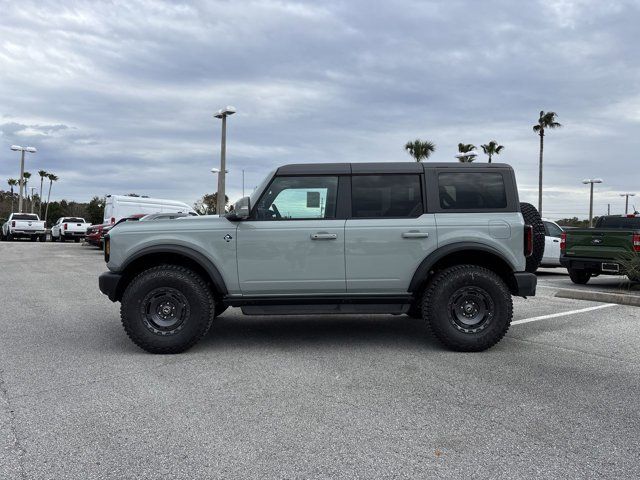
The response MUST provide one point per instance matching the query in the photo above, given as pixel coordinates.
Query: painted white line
(562, 314)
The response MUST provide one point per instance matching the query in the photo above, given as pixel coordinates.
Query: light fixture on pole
(223, 113)
(18, 148)
(591, 181)
(626, 200)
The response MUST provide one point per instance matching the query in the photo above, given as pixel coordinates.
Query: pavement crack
(15, 443)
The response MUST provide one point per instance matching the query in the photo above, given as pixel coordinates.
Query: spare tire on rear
(532, 217)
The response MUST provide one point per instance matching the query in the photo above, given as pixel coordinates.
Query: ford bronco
(443, 242)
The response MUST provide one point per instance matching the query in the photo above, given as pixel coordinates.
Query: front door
(293, 244)
(388, 234)
(551, 244)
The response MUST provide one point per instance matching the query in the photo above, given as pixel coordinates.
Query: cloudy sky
(118, 97)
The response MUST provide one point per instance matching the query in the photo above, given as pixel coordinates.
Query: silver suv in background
(441, 241)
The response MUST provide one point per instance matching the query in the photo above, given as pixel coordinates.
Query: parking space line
(562, 314)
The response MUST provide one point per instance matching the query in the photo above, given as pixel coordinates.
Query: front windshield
(255, 195)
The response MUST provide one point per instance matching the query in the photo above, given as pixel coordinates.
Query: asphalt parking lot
(306, 397)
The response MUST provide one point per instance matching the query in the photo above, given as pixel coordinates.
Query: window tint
(74, 220)
(296, 198)
(24, 216)
(394, 196)
(629, 223)
(552, 230)
(473, 190)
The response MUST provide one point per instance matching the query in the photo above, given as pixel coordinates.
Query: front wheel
(468, 308)
(579, 277)
(167, 309)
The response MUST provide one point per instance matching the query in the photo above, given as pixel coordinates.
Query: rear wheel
(468, 308)
(43, 238)
(76, 240)
(580, 277)
(532, 217)
(167, 309)
(61, 238)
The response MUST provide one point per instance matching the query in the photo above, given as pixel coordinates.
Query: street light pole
(591, 181)
(626, 200)
(221, 194)
(18, 148)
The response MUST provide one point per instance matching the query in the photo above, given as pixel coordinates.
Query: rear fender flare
(427, 264)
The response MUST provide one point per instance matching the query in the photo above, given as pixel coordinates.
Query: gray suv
(443, 242)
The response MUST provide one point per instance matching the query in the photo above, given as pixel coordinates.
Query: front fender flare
(213, 272)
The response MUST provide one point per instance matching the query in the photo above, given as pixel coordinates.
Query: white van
(120, 206)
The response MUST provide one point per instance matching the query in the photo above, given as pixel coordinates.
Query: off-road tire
(198, 312)
(441, 296)
(579, 277)
(532, 217)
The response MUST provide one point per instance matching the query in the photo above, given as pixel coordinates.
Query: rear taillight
(107, 248)
(636, 242)
(528, 240)
(563, 242)
(113, 220)
(13, 223)
(66, 226)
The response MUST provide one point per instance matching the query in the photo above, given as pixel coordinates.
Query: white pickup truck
(69, 227)
(25, 225)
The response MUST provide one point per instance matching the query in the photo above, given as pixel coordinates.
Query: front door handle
(556, 241)
(324, 236)
(415, 234)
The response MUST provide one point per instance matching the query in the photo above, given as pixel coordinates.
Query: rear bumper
(26, 233)
(108, 283)
(525, 284)
(589, 264)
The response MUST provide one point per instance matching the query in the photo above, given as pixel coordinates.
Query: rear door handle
(415, 234)
(324, 236)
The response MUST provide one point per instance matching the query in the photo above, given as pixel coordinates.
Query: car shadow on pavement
(232, 328)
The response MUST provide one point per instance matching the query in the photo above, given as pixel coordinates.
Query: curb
(595, 296)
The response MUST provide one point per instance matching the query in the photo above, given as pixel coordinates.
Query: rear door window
(386, 196)
(471, 191)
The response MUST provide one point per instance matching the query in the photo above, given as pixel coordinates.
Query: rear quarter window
(471, 191)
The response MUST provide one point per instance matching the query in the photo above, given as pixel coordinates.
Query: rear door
(388, 234)
(294, 242)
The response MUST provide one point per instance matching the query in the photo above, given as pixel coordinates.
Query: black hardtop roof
(378, 167)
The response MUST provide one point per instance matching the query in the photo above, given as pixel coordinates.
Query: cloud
(119, 96)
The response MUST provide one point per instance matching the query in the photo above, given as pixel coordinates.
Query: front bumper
(525, 284)
(108, 283)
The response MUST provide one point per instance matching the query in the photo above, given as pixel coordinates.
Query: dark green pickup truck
(611, 248)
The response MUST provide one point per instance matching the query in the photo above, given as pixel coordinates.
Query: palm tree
(492, 148)
(42, 173)
(546, 121)
(52, 178)
(466, 148)
(12, 183)
(420, 150)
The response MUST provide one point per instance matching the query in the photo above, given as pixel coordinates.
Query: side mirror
(241, 209)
